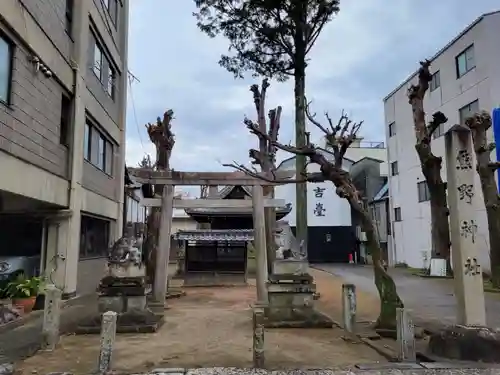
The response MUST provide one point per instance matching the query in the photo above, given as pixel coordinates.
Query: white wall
(336, 210)
(413, 234)
(361, 149)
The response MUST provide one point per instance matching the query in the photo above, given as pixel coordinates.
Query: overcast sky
(367, 50)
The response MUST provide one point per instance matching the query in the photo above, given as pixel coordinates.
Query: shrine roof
(215, 235)
(232, 211)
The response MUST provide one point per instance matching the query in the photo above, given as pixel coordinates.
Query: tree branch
(274, 126)
(339, 142)
(438, 118)
(494, 165)
(424, 78)
(254, 129)
(309, 177)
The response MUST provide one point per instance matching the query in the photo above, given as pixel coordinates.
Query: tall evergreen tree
(271, 38)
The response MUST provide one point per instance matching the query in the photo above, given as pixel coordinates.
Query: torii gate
(170, 179)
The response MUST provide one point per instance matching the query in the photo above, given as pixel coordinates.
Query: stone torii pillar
(463, 227)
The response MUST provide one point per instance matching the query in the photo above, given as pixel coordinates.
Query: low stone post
(258, 337)
(349, 306)
(405, 336)
(51, 317)
(108, 333)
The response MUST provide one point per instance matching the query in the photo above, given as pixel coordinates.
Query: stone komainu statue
(126, 251)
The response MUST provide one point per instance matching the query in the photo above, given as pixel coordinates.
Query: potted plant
(23, 292)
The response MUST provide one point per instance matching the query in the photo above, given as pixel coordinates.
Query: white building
(466, 79)
(331, 231)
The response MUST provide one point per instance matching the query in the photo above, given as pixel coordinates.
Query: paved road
(431, 300)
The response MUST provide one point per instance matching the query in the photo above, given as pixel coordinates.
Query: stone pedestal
(291, 297)
(125, 296)
(466, 343)
(290, 267)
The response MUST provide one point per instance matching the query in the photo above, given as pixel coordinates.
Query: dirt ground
(213, 327)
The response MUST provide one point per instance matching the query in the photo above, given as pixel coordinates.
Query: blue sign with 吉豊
(496, 136)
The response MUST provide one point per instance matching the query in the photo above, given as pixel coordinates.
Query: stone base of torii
(287, 295)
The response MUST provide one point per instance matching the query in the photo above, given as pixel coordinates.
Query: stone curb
(20, 321)
(368, 369)
(362, 369)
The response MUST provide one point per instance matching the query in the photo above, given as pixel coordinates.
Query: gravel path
(210, 327)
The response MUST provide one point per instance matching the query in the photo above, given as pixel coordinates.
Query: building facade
(332, 228)
(63, 82)
(466, 79)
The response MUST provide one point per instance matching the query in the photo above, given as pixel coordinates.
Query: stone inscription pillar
(463, 227)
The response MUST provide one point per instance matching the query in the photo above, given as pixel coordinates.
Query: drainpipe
(122, 104)
(69, 254)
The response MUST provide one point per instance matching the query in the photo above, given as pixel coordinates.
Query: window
(435, 81)
(94, 237)
(5, 69)
(423, 191)
(98, 150)
(113, 10)
(129, 210)
(392, 129)
(69, 16)
(102, 66)
(438, 132)
(397, 214)
(376, 212)
(465, 62)
(111, 82)
(97, 65)
(101, 152)
(86, 142)
(109, 158)
(394, 168)
(468, 110)
(65, 120)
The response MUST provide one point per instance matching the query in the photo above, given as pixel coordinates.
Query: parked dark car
(13, 266)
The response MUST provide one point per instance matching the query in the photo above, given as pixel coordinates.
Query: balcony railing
(368, 144)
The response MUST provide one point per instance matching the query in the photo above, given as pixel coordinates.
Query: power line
(132, 78)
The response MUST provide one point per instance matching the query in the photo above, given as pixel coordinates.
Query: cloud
(366, 51)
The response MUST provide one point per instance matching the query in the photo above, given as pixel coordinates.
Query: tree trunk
(431, 169)
(300, 160)
(150, 245)
(270, 215)
(440, 226)
(389, 298)
(486, 170)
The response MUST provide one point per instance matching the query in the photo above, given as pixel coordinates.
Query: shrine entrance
(215, 257)
(215, 251)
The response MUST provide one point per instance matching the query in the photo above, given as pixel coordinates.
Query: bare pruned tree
(340, 136)
(161, 135)
(431, 164)
(265, 157)
(146, 162)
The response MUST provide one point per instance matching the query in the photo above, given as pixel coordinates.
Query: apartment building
(466, 78)
(63, 81)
